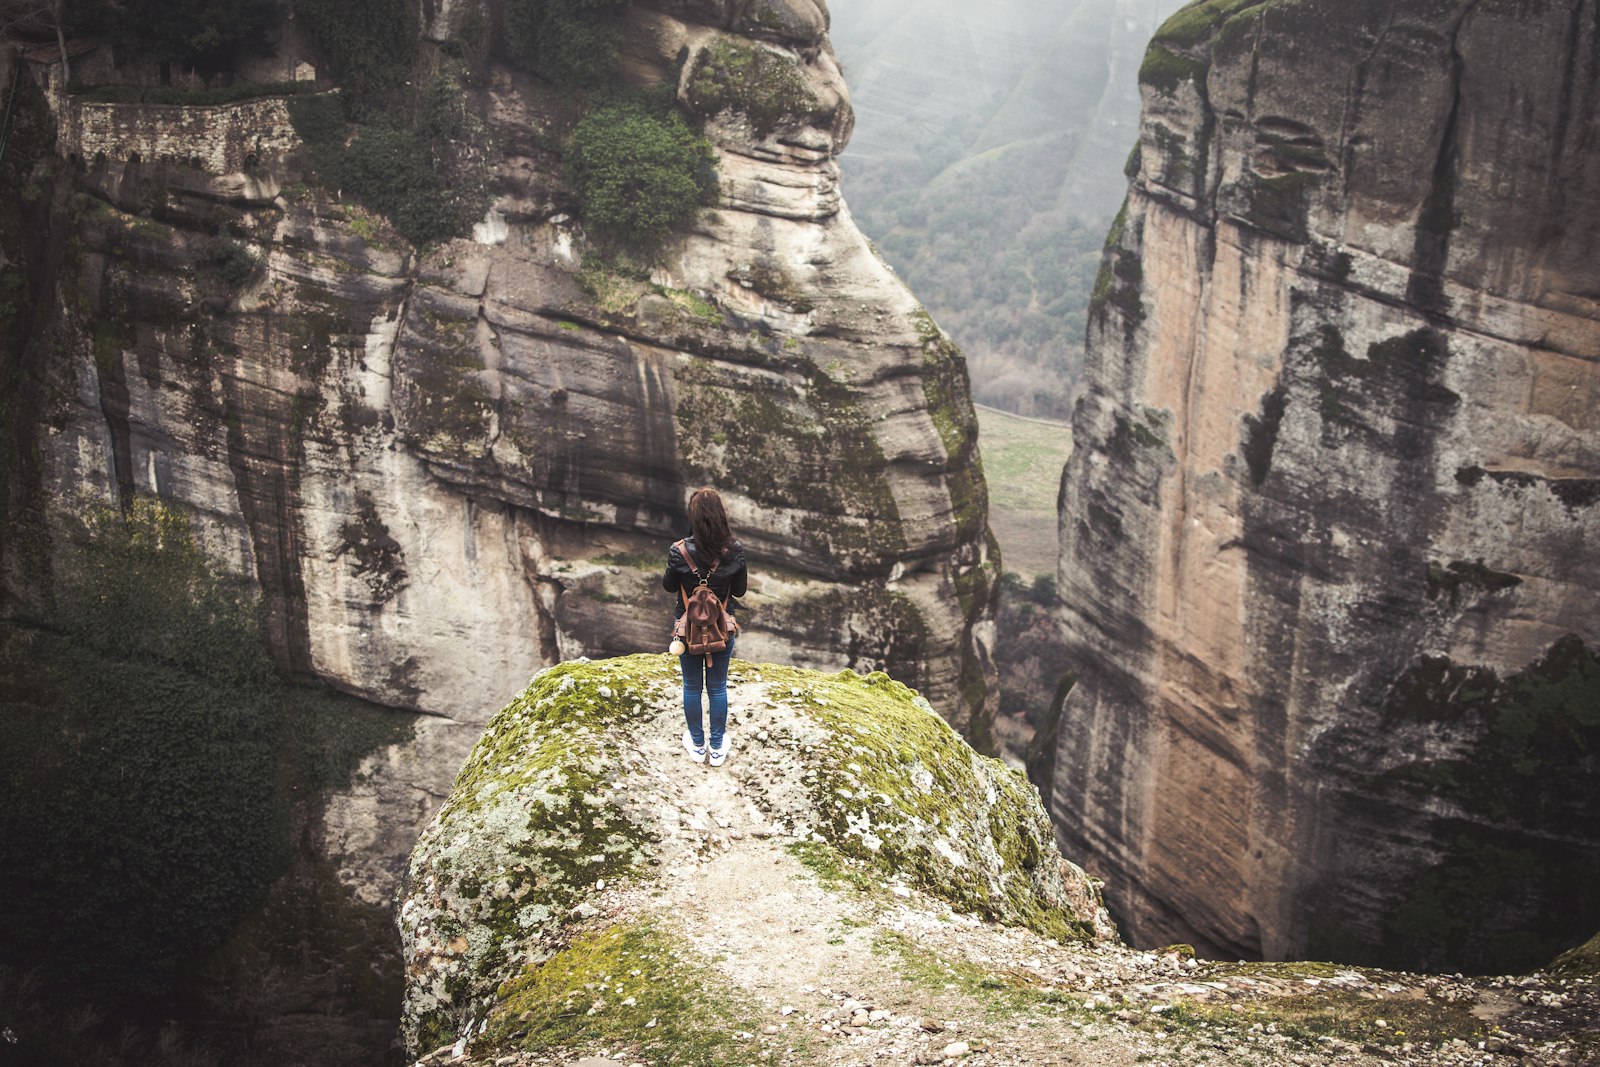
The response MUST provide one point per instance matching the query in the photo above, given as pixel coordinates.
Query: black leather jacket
(728, 582)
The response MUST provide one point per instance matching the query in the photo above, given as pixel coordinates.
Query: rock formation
(571, 799)
(449, 467)
(1329, 564)
(855, 885)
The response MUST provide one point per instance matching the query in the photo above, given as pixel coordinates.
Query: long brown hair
(710, 524)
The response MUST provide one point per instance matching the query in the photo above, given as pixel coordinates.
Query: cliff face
(447, 468)
(1328, 533)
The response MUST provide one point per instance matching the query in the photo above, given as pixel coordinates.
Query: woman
(717, 557)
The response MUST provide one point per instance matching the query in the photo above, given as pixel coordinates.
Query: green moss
(626, 987)
(1001, 991)
(764, 85)
(1327, 1011)
(529, 827)
(883, 787)
(696, 307)
(446, 404)
(1195, 23)
(1166, 70)
(1120, 279)
(813, 433)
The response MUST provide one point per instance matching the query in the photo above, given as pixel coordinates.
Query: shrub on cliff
(639, 173)
(573, 43)
(427, 182)
(368, 45)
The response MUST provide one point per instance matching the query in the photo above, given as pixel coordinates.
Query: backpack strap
(683, 550)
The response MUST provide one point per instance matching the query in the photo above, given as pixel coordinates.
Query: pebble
(956, 1049)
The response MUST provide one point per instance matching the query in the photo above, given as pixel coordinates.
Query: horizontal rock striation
(447, 468)
(1328, 533)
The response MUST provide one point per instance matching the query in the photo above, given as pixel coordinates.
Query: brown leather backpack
(705, 625)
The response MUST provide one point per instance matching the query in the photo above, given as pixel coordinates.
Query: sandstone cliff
(1329, 563)
(855, 885)
(448, 467)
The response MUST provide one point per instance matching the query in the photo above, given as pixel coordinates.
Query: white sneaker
(696, 752)
(718, 755)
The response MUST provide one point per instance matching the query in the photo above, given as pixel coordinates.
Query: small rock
(787, 1009)
(932, 1025)
(956, 1049)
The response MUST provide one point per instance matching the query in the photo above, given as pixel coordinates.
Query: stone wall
(219, 138)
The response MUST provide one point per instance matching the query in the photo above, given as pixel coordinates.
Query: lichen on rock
(573, 788)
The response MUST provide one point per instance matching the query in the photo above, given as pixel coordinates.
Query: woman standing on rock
(711, 557)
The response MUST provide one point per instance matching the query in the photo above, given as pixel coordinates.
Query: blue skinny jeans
(700, 678)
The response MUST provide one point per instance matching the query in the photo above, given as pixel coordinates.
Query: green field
(1022, 461)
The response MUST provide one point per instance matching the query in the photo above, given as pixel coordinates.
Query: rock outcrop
(571, 802)
(1329, 564)
(855, 885)
(448, 467)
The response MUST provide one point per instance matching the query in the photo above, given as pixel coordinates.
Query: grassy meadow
(1022, 461)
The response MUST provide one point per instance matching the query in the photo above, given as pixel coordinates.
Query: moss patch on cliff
(1165, 70)
(532, 825)
(1119, 283)
(762, 84)
(740, 431)
(883, 790)
(626, 987)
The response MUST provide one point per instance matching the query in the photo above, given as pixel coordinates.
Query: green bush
(400, 174)
(370, 46)
(573, 43)
(204, 33)
(639, 174)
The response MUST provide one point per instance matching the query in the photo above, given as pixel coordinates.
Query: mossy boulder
(577, 786)
(1581, 961)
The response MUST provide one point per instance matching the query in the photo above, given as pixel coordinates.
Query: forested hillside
(990, 176)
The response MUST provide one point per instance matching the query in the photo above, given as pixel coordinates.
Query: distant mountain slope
(987, 165)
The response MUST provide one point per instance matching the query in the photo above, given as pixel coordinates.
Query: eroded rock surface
(855, 885)
(576, 791)
(1328, 534)
(448, 468)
